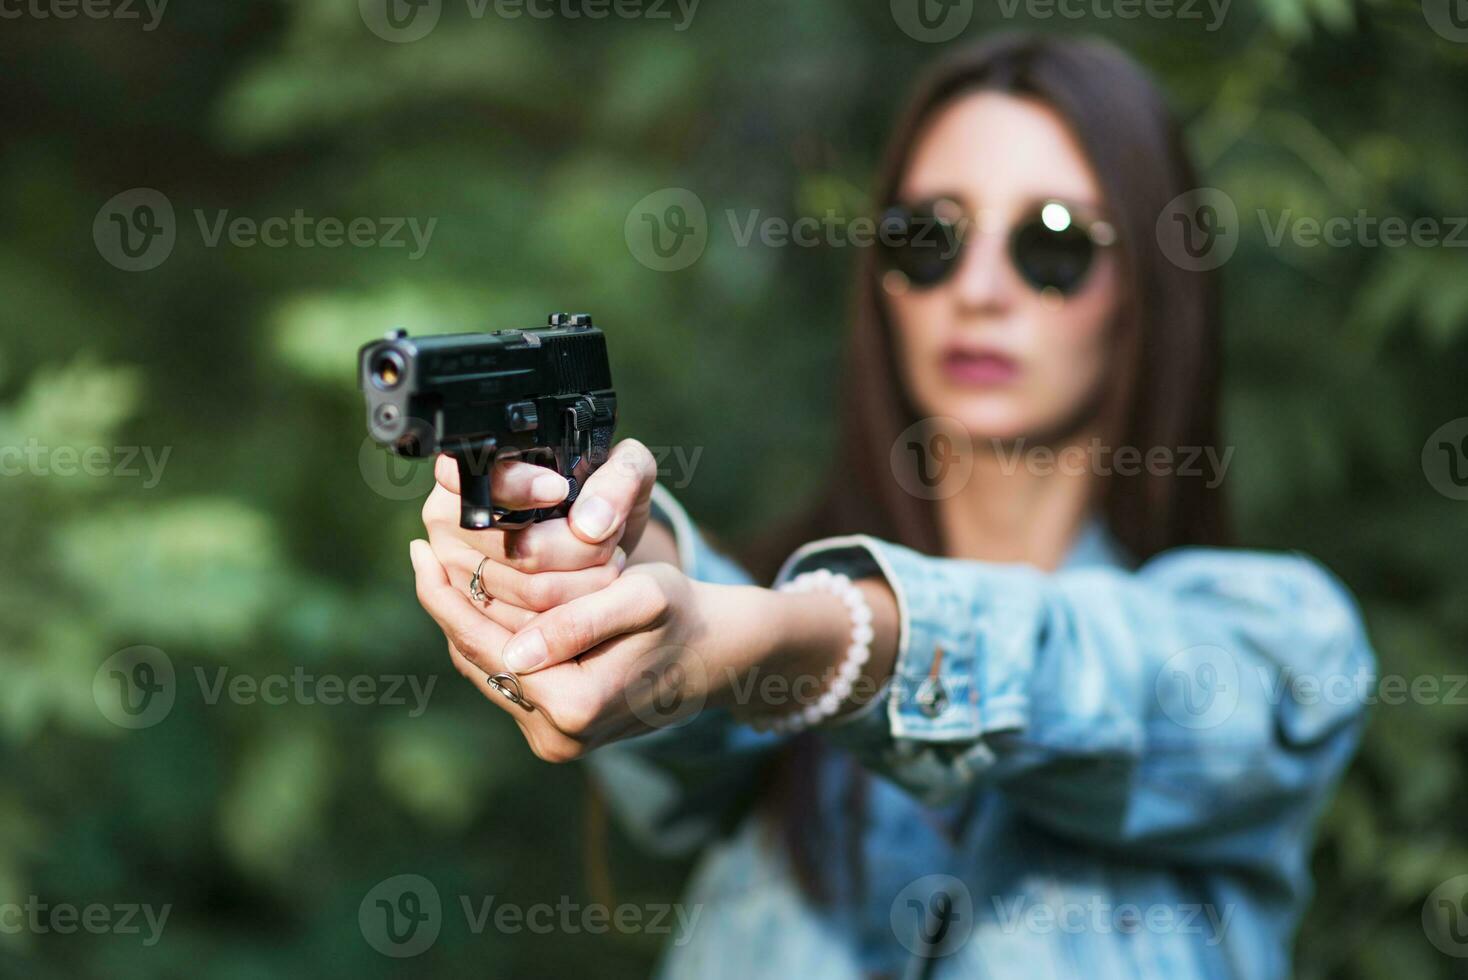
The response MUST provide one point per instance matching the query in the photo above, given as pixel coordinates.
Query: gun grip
(477, 511)
(476, 508)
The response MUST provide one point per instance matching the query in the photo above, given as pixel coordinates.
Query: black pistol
(544, 395)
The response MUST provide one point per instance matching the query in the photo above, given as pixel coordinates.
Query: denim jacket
(1103, 771)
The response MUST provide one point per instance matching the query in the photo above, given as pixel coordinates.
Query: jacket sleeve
(676, 788)
(1198, 709)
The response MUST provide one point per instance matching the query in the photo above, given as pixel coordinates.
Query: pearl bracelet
(858, 652)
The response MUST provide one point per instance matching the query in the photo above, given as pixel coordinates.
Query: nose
(983, 284)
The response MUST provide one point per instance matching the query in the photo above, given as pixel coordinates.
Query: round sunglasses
(1052, 246)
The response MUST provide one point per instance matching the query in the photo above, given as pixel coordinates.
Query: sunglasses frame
(1100, 232)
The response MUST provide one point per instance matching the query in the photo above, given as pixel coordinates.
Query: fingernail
(619, 558)
(549, 488)
(525, 652)
(593, 517)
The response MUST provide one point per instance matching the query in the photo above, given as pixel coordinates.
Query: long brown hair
(1166, 344)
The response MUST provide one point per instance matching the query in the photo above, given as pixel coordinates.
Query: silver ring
(476, 584)
(502, 683)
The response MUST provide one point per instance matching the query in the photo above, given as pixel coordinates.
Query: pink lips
(979, 367)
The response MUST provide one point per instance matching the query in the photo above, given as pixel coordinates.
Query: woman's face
(984, 346)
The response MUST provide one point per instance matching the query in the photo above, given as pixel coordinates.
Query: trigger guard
(511, 520)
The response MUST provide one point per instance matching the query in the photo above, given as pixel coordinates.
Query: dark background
(271, 541)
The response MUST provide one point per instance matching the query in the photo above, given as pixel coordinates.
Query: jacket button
(931, 698)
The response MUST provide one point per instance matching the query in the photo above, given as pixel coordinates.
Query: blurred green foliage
(266, 546)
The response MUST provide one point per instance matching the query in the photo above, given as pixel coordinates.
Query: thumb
(446, 472)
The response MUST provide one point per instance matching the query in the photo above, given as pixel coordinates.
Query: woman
(1091, 757)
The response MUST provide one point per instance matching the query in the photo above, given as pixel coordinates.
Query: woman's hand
(651, 649)
(647, 640)
(540, 566)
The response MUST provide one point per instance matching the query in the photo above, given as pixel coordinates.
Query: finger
(446, 472)
(537, 591)
(509, 615)
(513, 484)
(466, 628)
(546, 546)
(460, 571)
(616, 495)
(633, 602)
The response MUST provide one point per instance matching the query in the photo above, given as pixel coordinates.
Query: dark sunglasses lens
(1051, 259)
(920, 245)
